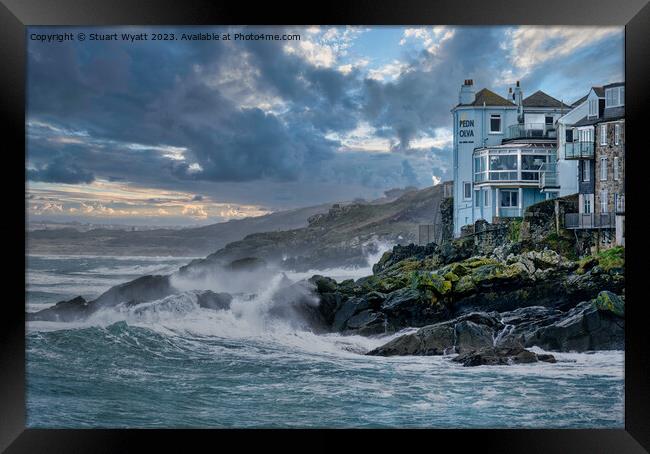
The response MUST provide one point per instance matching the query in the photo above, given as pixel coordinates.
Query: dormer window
(615, 97)
(593, 107)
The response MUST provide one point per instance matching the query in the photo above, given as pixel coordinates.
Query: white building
(567, 169)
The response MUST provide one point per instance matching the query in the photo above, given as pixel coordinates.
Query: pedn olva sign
(466, 132)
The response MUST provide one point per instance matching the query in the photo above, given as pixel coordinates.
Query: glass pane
(532, 162)
(507, 162)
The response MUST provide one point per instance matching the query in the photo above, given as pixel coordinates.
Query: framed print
(384, 217)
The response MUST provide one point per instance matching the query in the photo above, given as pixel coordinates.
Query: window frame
(603, 201)
(586, 171)
(617, 174)
(467, 184)
(603, 134)
(617, 134)
(500, 131)
(603, 168)
(510, 193)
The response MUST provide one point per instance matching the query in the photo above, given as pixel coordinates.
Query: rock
(63, 311)
(472, 336)
(608, 301)
(592, 325)
(367, 322)
(347, 309)
(494, 356)
(216, 301)
(400, 253)
(247, 264)
(408, 307)
(323, 284)
(142, 289)
(522, 323)
(463, 334)
(430, 340)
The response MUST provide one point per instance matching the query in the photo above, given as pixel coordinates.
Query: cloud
(531, 46)
(195, 211)
(61, 170)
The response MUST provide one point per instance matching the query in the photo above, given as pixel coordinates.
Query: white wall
(568, 170)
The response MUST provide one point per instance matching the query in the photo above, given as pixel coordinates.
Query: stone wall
(610, 151)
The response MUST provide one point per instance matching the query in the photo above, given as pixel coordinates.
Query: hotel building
(504, 153)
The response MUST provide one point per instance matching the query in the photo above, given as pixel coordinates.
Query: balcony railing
(548, 176)
(579, 150)
(590, 221)
(531, 131)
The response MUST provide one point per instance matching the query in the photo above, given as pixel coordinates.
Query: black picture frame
(15, 15)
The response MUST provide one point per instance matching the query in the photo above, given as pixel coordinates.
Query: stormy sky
(196, 132)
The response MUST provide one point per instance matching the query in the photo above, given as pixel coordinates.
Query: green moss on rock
(610, 302)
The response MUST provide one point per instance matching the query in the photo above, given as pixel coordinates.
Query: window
(593, 107)
(603, 168)
(530, 165)
(617, 133)
(603, 134)
(586, 203)
(509, 198)
(586, 170)
(616, 169)
(477, 202)
(503, 167)
(495, 123)
(468, 190)
(615, 96)
(603, 201)
(486, 197)
(568, 135)
(548, 121)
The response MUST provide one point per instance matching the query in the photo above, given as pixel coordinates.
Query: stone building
(599, 146)
(609, 191)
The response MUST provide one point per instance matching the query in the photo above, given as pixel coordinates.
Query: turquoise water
(173, 364)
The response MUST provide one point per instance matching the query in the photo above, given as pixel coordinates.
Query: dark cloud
(61, 171)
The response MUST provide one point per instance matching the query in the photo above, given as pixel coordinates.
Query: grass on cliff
(606, 260)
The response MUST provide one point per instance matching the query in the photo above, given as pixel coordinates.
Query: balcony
(531, 131)
(548, 178)
(579, 150)
(589, 221)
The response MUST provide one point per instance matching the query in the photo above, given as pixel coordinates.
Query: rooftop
(600, 92)
(541, 99)
(488, 98)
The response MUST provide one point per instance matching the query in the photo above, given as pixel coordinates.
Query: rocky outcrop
(592, 325)
(493, 338)
(140, 290)
(467, 333)
(501, 356)
(415, 286)
(63, 311)
(208, 299)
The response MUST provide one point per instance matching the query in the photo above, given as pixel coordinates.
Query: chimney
(467, 94)
(518, 98)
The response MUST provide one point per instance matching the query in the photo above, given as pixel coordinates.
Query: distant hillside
(195, 241)
(342, 236)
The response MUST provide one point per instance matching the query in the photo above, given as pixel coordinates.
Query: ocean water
(170, 363)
